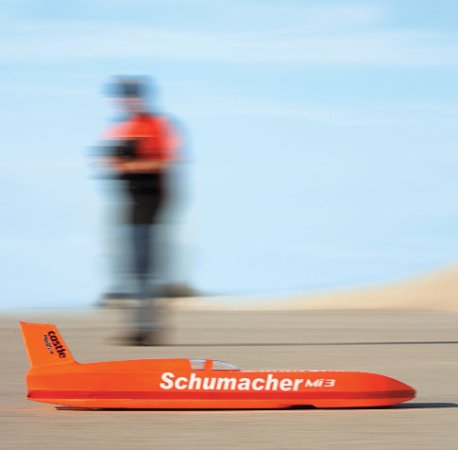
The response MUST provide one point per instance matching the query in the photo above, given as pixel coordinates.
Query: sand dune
(433, 292)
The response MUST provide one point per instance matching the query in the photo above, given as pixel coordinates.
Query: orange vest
(156, 138)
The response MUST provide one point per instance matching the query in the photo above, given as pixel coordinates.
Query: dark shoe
(140, 338)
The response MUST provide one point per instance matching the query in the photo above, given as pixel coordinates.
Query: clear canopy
(198, 364)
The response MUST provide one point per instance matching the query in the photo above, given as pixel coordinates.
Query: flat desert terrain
(420, 348)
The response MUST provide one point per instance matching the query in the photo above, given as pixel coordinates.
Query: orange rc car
(56, 377)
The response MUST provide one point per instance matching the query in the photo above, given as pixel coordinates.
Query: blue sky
(321, 139)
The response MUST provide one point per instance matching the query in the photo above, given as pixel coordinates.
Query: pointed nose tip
(404, 389)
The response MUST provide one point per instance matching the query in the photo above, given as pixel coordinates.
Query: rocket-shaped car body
(56, 377)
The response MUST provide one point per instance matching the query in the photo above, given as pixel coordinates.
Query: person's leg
(141, 258)
(144, 323)
(116, 248)
(141, 237)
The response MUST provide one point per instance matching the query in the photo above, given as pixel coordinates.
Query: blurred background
(320, 141)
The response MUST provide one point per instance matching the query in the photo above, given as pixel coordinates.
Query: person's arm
(126, 160)
(167, 141)
(139, 165)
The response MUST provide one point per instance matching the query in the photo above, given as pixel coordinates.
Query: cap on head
(130, 87)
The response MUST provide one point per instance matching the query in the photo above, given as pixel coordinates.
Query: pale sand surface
(437, 291)
(420, 348)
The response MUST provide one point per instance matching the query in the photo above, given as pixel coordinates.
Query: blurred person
(139, 151)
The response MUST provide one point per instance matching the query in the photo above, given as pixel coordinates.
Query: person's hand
(126, 166)
(120, 166)
(136, 166)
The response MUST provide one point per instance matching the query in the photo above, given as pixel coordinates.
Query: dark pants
(146, 195)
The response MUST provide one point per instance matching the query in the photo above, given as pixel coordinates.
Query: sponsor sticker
(48, 344)
(54, 340)
(227, 383)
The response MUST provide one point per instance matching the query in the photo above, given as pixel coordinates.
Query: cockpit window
(199, 364)
(222, 365)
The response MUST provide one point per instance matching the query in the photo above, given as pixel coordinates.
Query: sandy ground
(420, 348)
(437, 291)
